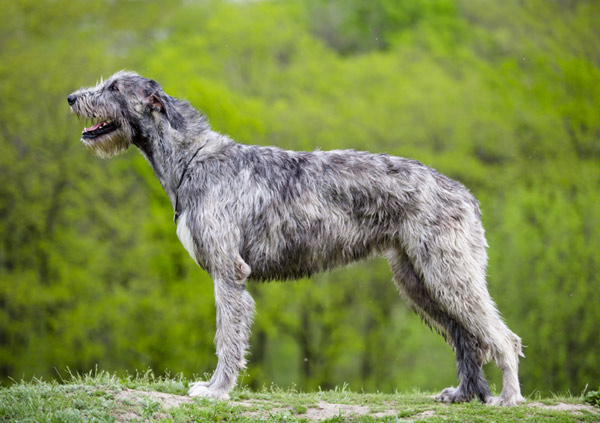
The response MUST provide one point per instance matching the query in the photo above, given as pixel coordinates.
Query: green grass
(104, 397)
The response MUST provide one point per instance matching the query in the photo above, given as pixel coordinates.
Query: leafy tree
(501, 96)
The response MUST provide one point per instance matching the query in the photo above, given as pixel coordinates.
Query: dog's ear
(156, 99)
(155, 102)
(151, 93)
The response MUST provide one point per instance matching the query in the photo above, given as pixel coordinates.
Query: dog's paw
(505, 402)
(452, 395)
(199, 383)
(203, 390)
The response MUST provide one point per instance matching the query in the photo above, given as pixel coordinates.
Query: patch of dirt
(323, 410)
(166, 400)
(125, 416)
(133, 403)
(574, 408)
(327, 410)
(425, 414)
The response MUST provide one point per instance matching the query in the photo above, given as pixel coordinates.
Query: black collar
(177, 213)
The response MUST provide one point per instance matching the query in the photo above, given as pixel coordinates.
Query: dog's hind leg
(469, 355)
(235, 310)
(453, 269)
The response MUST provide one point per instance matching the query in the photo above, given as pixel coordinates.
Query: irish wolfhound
(248, 212)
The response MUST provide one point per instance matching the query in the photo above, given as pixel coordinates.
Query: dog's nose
(71, 99)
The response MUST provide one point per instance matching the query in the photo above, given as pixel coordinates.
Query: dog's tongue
(93, 128)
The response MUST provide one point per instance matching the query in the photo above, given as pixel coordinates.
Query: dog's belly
(295, 257)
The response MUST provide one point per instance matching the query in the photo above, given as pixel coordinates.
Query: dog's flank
(248, 212)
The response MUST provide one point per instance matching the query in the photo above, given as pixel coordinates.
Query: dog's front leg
(235, 309)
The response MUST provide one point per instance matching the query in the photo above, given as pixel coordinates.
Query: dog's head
(124, 109)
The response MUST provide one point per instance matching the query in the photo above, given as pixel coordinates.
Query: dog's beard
(106, 136)
(107, 145)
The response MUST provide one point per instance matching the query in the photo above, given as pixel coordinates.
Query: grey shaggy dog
(263, 213)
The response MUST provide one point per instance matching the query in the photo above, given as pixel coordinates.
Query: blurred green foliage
(593, 397)
(503, 96)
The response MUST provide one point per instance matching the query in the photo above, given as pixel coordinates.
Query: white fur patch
(185, 236)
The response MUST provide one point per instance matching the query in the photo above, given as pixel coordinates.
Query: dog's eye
(113, 87)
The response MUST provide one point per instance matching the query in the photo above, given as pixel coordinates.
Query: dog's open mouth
(101, 128)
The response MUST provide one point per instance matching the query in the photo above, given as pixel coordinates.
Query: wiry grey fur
(248, 212)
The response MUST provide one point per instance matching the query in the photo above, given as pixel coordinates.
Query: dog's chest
(185, 237)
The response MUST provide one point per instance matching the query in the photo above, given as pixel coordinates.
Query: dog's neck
(171, 152)
(167, 159)
(168, 146)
